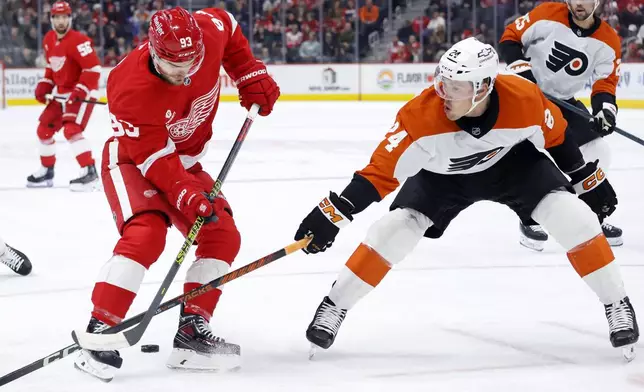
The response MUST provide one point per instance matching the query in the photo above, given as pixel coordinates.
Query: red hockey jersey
(71, 61)
(165, 129)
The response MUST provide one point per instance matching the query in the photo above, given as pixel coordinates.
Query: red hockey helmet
(61, 8)
(175, 37)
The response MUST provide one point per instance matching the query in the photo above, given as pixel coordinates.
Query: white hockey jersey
(424, 138)
(564, 58)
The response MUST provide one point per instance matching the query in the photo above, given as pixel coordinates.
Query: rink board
(335, 82)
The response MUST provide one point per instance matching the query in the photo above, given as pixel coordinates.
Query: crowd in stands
(299, 31)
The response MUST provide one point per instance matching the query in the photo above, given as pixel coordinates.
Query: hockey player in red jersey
(561, 47)
(473, 136)
(72, 75)
(163, 98)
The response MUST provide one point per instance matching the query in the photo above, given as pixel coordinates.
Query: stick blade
(100, 342)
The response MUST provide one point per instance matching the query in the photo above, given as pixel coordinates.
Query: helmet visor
(453, 90)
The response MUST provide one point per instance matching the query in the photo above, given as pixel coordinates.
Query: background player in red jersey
(162, 99)
(72, 72)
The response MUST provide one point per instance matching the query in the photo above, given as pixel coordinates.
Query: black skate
(100, 364)
(42, 178)
(622, 326)
(325, 325)
(87, 180)
(195, 347)
(613, 234)
(16, 260)
(532, 237)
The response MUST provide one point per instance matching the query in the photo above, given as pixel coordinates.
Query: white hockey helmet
(464, 69)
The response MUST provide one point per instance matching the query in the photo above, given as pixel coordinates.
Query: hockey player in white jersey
(472, 137)
(14, 259)
(560, 47)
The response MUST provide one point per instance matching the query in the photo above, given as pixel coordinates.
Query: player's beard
(581, 14)
(61, 29)
(174, 80)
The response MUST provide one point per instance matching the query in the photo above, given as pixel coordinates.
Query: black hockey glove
(324, 222)
(522, 68)
(593, 188)
(605, 119)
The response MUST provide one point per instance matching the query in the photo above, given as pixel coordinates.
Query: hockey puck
(150, 348)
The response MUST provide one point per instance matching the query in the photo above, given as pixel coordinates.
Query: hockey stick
(61, 98)
(586, 115)
(131, 337)
(203, 289)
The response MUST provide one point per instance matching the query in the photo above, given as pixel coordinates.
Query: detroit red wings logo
(57, 63)
(181, 130)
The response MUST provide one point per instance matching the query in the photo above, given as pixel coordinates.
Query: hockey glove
(257, 86)
(324, 222)
(593, 188)
(44, 87)
(189, 198)
(80, 93)
(605, 119)
(522, 68)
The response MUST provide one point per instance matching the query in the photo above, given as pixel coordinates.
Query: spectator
(293, 41)
(310, 50)
(110, 59)
(369, 16)
(413, 47)
(398, 51)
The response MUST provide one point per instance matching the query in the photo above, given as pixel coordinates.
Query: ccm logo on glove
(591, 181)
(330, 211)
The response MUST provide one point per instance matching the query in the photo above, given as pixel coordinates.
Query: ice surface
(473, 311)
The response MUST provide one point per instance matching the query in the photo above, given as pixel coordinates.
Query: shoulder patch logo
(570, 60)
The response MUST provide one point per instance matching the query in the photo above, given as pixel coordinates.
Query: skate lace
(537, 229)
(607, 226)
(329, 318)
(619, 317)
(203, 327)
(11, 259)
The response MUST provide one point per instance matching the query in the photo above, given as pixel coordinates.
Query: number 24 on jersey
(395, 139)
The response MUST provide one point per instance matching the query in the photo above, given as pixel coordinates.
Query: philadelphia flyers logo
(468, 162)
(570, 60)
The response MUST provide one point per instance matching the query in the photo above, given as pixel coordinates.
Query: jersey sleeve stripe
(233, 22)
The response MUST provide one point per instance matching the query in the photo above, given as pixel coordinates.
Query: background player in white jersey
(560, 47)
(14, 259)
(472, 137)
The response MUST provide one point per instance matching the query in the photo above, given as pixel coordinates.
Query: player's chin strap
(476, 103)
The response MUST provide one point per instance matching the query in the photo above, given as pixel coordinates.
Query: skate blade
(93, 186)
(532, 244)
(615, 241)
(93, 368)
(628, 352)
(43, 184)
(312, 351)
(190, 360)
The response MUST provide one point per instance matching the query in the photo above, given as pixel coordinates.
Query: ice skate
(99, 364)
(613, 234)
(195, 347)
(532, 237)
(87, 180)
(41, 178)
(622, 326)
(16, 260)
(325, 325)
